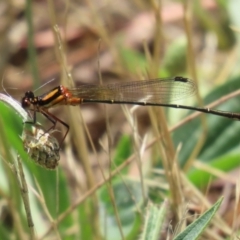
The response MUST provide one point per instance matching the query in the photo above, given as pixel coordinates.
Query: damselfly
(155, 92)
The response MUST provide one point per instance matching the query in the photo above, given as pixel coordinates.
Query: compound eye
(25, 103)
(27, 99)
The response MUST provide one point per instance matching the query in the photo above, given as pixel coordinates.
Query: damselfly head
(28, 99)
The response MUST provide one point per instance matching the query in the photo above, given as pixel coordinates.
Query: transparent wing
(147, 91)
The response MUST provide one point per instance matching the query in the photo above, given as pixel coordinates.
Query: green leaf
(85, 210)
(225, 163)
(123, 151)
(194, 230)
(154, 220)
(13, 126)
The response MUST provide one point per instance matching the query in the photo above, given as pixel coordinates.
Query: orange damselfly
(154, 92)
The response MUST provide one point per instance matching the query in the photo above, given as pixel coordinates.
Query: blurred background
(47, 43)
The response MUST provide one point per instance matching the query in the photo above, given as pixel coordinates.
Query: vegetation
(125, 172)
